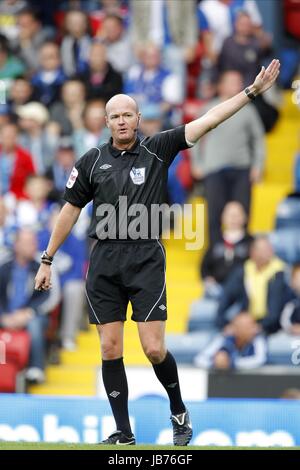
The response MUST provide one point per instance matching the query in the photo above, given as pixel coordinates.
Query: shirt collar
(134, 150)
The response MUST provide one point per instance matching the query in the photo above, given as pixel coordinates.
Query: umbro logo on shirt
(106, 166)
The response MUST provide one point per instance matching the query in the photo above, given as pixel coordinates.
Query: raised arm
(264, 80)
(66, 220)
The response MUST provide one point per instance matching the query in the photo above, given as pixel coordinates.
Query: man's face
(122, 119)
(244, 327)
(49, 57)
(26, 245)
(243, 25)
(261, 252)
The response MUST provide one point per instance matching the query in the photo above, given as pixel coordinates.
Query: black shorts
(120, 272)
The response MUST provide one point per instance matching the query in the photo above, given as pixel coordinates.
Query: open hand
(266, 77)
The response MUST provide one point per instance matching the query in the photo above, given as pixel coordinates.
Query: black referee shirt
(125, 186)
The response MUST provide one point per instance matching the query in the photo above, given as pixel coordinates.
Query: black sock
(115, 383)
(167, 374)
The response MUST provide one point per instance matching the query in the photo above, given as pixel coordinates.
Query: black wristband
(45, 261)
(250, 94)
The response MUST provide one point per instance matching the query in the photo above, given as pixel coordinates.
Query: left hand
(266, 77)
(17, 320)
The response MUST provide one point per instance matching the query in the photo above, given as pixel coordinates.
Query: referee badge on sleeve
(72, 178)
(137, 175)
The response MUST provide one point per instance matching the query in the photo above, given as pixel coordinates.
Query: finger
(37, 285)
(262, 72)
(274, 65)
(271, 66)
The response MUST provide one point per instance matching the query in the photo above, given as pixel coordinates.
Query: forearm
(215, 116)
(65, 222)
(228, 108)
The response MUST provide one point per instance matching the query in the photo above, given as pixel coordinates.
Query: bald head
(122, 119)
(121, 101)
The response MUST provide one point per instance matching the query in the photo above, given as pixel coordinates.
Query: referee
(122, 267)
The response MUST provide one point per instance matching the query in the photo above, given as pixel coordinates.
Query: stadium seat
(286, 244)
(203, 315)
(281, 347)
(8, 377)
(17, 347)
(288, 213)
(184, 347)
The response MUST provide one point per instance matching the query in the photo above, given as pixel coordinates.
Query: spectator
(10, 66)
(230, 252)
(9, 10)
(230, 158)
(76, 43)
(68, 111)
(34, 212)
(103, 81)
(20, 305)
(32, 34)
(290, 317)
(149, 82)
(94, 131)
(220, 15)
(258, 287)
(15, 163)
(21, 92)
(117, 42)
(241, 347)
(49, 77)
(59, 172)
(243, 51)
(172, 27)
(37, 137)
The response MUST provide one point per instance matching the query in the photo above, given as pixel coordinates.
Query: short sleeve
(166, 145)
(78, 189)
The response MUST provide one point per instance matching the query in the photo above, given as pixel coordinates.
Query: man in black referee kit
(122, 267)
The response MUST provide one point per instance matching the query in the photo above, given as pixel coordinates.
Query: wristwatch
(46, 259)
(250, 94)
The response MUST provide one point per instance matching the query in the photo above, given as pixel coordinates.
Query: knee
(155, 353)
(111, 349)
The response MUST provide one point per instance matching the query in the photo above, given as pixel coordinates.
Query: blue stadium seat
(288, 213)
(286, 244)
(185, 347)
(282, 349)
(202, 315)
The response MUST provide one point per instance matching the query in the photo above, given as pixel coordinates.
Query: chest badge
(137, 175)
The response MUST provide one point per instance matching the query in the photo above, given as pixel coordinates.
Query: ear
(106, 122)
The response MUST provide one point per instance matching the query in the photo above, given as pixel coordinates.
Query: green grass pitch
(47, 446)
